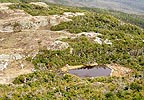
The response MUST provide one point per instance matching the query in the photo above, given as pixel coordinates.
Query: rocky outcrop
(10, 57)
(58, 45)
(42, 4)
(31, 22)
(4, 6)
(57, 19)
(3, 65)
(6, 59)
(13, 70)
(118, 70)
(70, 14)
(95, 38)
(98, 40)
(89, 34)
(108, 42)
(18, 20)
(22, 35)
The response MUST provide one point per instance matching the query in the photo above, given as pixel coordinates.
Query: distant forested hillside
(9, 1)
(128, 6)
(3, 1)
(130, 18)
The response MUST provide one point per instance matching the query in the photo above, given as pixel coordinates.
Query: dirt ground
(14, 70)
(27, 43)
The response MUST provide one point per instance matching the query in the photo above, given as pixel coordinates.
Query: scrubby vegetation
(98, 23)
(129, 18)
(86, 51)
(59, 9)
(3, 1)
(55, 86)
(44, 11)
(48, 82)
(16, 1)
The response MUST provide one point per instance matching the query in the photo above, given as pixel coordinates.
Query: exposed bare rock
(42, 4)
(108, 42)
(118, 70)
(22, 35)
(56, 19)
(10, 57)
(94, 37)
(70, 14)
(6, 29)
(34, 22)
(28, 42)
(3, 65)
(98, 40)
(4, 6)
(89, 34)
(58, 45)
(15, 69)
(18, 20)
(4, 57)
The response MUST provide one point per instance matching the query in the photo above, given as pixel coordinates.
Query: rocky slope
(22, 35)
(39, 43)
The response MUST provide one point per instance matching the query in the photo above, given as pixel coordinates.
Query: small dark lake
(91, 71)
